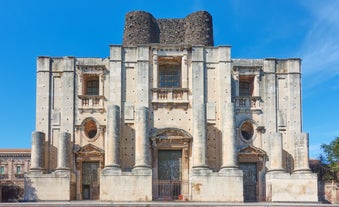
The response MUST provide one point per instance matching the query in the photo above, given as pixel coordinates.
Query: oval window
(247, 130)
(90, 129)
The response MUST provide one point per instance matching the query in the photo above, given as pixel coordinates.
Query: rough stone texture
(142, 28)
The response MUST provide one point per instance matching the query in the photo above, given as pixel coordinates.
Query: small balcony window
(169, 72)
(169, 76)
(91, 85)
(246, 85)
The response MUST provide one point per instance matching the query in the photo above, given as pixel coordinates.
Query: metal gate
(250, 181)
(169, 184)
(90, 180)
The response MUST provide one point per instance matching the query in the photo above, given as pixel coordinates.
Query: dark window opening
(246, 86)
(92, 85)
(170, 72)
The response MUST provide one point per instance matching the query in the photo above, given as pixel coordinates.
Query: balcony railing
(170, 96)
(248, 103)
(19, 175)
(3, 176)
(169, 189)
(91, 103)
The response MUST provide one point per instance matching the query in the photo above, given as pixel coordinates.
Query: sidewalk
(155, 204)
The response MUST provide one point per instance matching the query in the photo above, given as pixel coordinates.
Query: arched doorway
(171, 149)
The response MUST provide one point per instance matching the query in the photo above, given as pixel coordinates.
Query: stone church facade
(169, 116)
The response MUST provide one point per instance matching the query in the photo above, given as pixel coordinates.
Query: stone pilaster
(64, 151)
(142, 148)
(199, 108)
(229, 159)
(276, 152)
(112, 152)
(115, 76)
(38, 149)
(301, 161)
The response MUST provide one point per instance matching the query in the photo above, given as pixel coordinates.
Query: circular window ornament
(90, 129)
(247, 132)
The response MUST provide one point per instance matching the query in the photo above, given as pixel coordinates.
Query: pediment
(89, 149)
(170, 133)
(252, 150)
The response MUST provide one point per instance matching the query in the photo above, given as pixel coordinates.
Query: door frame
(251, 154)
(87, 153)
(172, 139)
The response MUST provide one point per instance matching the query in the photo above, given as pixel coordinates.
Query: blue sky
(308, 29)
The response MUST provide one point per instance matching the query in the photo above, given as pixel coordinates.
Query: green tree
(331, 155)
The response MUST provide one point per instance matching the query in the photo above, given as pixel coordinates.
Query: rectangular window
(246, 85)
(18, 169)
(169, 73)
(2, 170)
(169, 76)
(91, 85)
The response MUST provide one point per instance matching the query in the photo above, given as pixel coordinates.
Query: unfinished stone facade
(169, 116)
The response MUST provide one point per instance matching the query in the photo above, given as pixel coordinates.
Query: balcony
(3, 176)
(170, 97)
(91, 103)
(19, 175)
(246, 104)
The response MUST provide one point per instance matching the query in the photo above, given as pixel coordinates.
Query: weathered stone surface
(167, 110)
(142, 28)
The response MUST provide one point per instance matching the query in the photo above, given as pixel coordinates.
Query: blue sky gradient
(308, 29)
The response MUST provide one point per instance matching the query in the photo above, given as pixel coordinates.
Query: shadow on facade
(11, 192)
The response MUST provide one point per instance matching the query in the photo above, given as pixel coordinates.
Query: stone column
(141, 138)
(38, 149)
(301, 153)
(112, 152)
(64, 151)
(276, 152)
(199, 108)
(229, 156)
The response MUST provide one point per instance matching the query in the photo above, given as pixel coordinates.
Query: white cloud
(320, 49)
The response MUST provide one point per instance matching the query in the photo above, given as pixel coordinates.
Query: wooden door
(249, 181)
(90, 180)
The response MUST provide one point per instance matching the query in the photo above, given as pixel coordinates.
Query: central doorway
(169, 174)
(90, 180)
(249, 181)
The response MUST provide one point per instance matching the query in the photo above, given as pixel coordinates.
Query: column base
(111, 170)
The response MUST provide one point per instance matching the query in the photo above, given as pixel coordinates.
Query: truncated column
(142, 157)
(112, 158)
(64, 151)
(301, 153)
(38, 148)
